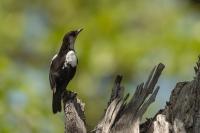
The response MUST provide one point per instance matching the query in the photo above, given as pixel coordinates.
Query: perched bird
(63, 68)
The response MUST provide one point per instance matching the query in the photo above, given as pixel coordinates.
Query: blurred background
(127, 37)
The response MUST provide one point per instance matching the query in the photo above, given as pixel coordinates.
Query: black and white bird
(63, 68)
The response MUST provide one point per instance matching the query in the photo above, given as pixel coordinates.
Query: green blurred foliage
(127, 37)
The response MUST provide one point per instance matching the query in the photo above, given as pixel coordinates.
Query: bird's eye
(74, 34)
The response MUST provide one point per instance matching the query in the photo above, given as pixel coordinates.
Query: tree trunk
(180, 115)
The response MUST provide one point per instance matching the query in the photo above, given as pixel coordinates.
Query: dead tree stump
(180, 115)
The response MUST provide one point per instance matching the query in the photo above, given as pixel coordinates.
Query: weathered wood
(182, 112)
(180, 115)
(74, 113)
(115, 105)
(122, 117)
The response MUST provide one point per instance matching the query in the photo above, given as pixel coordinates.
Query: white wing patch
(70, 59)
(54, 56)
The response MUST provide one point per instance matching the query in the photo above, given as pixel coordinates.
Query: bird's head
(70, 37)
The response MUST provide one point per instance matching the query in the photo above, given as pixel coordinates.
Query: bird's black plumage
(63, 68)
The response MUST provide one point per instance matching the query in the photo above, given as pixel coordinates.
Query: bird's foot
(69, 95)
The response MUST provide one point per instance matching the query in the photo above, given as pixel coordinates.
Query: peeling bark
(180, 115)
(74, 113)
(182, 112)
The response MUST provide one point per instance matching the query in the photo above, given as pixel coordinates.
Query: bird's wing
(52, 81)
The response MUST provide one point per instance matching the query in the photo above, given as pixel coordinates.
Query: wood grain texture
(181, 113)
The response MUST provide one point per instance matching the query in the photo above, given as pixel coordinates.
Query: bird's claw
(69, 95)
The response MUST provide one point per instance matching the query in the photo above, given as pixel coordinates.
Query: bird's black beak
(78, 31)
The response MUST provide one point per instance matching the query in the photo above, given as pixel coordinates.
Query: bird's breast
(71, 59)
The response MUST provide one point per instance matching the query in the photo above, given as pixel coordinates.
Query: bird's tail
(56, 103)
